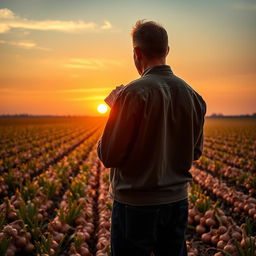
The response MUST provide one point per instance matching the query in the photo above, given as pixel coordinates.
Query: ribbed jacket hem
(140, 198)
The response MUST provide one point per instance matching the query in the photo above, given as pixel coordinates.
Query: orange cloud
(92, 63)
(24, 44)
(107, 25)
(75, 90)
(9, 20)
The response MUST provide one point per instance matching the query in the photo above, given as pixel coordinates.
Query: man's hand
(110, 99)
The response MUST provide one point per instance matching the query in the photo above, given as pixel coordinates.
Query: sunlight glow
(102, 108)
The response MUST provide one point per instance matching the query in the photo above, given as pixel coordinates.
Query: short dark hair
(151, 37)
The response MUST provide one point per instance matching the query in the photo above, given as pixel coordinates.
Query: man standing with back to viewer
(153, 134)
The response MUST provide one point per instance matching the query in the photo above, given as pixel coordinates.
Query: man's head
(150, 44)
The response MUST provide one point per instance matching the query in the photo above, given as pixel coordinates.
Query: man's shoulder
(141, 87)
(189, 88)
(191, 91)
(132, 91)
(136, 87)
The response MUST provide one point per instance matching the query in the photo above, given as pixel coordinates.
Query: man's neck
(153, 63)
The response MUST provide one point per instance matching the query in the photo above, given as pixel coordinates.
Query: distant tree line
(213, 115)
(220, 115)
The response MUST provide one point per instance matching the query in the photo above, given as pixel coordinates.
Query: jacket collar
(159, 69)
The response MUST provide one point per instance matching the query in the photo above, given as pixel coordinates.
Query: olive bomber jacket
(153, 133)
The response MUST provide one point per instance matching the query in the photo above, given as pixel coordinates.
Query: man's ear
(168, 49)
(138, 52)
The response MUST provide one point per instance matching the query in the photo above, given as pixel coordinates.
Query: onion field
(54, 196)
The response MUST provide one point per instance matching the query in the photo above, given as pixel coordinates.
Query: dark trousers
(149, 230)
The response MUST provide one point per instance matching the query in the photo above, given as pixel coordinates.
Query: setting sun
(102, 108)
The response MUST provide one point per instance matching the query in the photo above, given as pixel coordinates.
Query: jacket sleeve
(198, 149)
(120, 130)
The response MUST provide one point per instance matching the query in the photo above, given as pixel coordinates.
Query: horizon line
(87, 115)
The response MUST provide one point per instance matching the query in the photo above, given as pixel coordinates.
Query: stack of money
(110, 99)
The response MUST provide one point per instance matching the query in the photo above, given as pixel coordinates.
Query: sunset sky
(64, 57)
